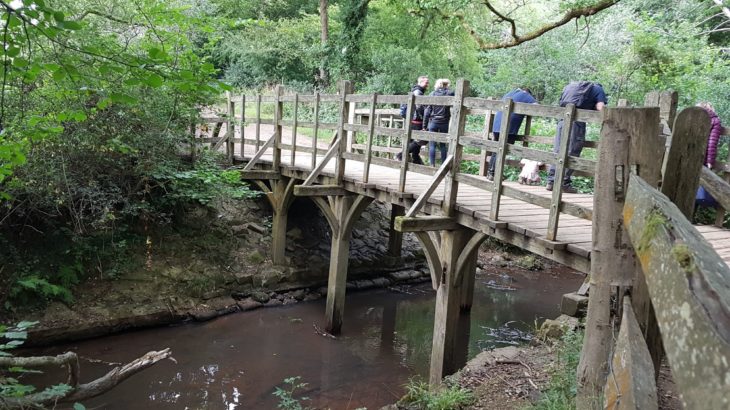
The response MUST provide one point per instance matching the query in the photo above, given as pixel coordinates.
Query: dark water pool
(237, 361)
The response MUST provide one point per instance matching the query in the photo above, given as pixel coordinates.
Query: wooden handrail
(716, 186)
(689, 286)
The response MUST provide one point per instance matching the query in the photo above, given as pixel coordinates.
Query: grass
(562, 389)
(418, 396)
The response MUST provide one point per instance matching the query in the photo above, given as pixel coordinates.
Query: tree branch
(518, 39)
(78, 392)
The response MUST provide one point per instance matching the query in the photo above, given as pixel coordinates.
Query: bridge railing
(305, 117)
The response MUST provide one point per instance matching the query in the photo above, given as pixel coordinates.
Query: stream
(237, 361)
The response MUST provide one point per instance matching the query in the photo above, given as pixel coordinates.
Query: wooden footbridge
(451, 211)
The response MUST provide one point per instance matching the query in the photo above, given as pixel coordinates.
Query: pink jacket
(713, 139)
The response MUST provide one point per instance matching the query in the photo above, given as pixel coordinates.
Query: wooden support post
(395, 238)
(468, 276)
(484, 154)
(280, 198)
(243, 126)
(631, 384)
(278, 116)
(444, 352)
(369, 143)
(293, 162)
(607, 257)
(499, 157)
(345, 211)
(528, 127)
(405, 141)
(456, 129)
(563, 154)
(345, 88)
(230, 126)
(679, 184)
(258, 122)
(316, 129)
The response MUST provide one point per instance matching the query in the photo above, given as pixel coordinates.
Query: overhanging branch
(517, 39)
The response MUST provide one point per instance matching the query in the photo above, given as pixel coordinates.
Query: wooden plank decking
(526, 224)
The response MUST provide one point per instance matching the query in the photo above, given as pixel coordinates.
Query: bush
(419, 396)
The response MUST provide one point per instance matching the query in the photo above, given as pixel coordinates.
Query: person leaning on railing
(416, 122)
(518, 95)
(703, 197)
(585, 95)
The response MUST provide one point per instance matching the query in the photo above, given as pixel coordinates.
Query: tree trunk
(324, 39)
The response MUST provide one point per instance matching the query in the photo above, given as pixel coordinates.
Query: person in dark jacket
(436, 119)
(519, 95)
(585, 95)
(416, 123)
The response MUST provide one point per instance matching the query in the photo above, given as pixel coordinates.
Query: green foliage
(287, 401)
(202, 184)
(451, 397)
(11, 387)
(562, 388)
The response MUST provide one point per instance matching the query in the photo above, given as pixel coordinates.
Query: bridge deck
(526, 224)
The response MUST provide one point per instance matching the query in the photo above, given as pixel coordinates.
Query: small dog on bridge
(530, 172)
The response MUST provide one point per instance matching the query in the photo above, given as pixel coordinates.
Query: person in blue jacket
(518, 95)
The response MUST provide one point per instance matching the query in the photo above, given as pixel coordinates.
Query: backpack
(576, 93)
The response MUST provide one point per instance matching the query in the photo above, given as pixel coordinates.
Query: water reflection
(237, 361)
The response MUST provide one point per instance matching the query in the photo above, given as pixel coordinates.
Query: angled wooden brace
(430, 243)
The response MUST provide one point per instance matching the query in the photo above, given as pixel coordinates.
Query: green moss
(654, 221)
(683, 255)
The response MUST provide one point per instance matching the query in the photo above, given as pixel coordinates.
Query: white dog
(530, 172)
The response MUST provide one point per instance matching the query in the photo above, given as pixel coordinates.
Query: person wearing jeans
(436, 119)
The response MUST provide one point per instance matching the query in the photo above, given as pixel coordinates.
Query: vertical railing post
(230, 126)
(484, 154)
(316, 130)
(278, 116)
(258, 122)
(243, 125)
(560, 167)
(456, 129)
(528, 126)
(345, 88)
(500, 156)
(405, 141)
(369, 147)
(294, 130)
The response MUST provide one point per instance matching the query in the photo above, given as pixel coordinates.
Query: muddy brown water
(237, 361)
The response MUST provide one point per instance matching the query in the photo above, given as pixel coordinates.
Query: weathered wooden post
(560, 168)
(280, 199)
(278, 116)
(679, 184)
(230, 126)
(444, 353)
(500, 157)
(395, 238)
(345, 88)
(628, 141)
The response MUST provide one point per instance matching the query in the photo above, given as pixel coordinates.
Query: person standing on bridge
(585, 95)
(436, 119)
(416, 123)
(520, 95)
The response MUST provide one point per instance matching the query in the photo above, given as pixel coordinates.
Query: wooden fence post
(316, 129)
(563, 154)
(231, 126)
(344, 89)
(628, 141)
(243, 125)
(278, 116)
(405, 141)
(294, 131)
(500, 157)
(258, 123)
(456, 128)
